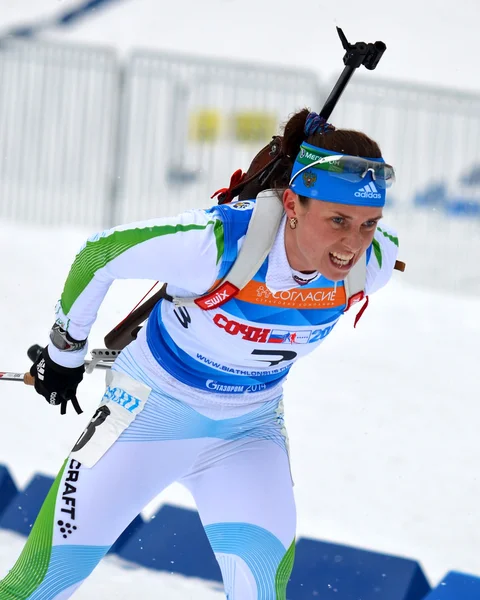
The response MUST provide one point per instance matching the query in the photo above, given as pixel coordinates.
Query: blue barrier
(434, 195)
(173, 540)
(8, 489)
(130, 533)
(462, 207)
(24, 507)
(323, 569)
(456, 586)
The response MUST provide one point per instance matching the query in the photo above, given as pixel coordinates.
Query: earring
(293, 222)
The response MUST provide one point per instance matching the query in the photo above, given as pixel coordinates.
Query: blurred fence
(85, 140)
(432, 137)
(189, 122)
(58, 124)
(88, 140)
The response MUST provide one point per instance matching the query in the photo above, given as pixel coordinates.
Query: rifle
(263, 165)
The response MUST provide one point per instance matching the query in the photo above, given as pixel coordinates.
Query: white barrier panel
(190, 122)
(58, 120)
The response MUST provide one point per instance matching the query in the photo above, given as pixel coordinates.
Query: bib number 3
(123, 400)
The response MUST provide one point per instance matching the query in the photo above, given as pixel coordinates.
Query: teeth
(342, 257)
(340, 263)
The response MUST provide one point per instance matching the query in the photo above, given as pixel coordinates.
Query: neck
(294, 256)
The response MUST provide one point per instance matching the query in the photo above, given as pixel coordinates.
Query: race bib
(123, 400)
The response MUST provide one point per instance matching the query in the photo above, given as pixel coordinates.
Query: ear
(290, 203)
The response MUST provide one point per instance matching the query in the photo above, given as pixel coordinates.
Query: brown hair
(346, 141)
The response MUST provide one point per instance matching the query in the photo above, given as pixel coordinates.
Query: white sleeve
(185, 251)
(382, 259)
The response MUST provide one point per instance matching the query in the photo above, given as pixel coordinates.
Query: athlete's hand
(57, 384)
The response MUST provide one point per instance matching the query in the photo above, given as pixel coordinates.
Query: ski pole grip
(28, 379)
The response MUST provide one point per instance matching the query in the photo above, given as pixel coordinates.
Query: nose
(353, 241)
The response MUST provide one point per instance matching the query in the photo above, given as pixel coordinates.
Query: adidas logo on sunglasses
(368, 191)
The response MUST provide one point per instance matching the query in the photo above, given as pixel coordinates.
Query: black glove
(57, 384)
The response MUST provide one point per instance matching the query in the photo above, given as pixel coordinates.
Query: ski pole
(25, 378)
(102, 358)
(356, 55)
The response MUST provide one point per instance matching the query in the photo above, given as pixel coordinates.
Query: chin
(335, 274)
(335, 277)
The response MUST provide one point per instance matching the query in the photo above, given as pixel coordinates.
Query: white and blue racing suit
(196, 398)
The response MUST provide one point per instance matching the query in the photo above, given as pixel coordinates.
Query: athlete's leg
(97, 493)
(243, 491)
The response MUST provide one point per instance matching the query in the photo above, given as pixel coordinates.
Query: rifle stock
(126, 331)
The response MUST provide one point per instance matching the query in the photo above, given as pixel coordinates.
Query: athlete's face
(329, 237)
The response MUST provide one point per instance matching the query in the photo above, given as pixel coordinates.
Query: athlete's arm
(184, 250)
(382, 259)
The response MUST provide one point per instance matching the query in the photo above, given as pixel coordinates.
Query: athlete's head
(334, 195)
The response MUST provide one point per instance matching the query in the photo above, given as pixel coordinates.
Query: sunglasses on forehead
(352, 169)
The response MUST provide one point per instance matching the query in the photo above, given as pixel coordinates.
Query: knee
(255, 565)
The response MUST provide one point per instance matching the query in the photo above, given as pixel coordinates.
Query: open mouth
(341, 261)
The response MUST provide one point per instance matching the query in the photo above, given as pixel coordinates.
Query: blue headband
(322, 184)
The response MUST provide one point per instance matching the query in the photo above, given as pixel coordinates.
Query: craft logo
(69, 500)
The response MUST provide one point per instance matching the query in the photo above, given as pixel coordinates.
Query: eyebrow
(339, 214)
